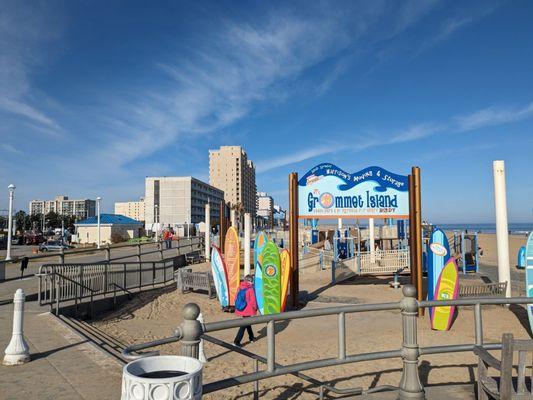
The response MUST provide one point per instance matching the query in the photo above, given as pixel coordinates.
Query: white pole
(187, 222)
(340, 224)
(156, 220)
(247, 229)
(207, 231)
(371, 238)
(232, 217)
(11, 189)
(98, 220)
(502, 238)
(17, 351)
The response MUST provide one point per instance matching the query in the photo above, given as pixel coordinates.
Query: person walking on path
(245, 306)
(166, 236)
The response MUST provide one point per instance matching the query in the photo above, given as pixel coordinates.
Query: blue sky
(94, 96)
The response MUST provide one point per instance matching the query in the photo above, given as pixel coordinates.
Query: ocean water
(515, 228)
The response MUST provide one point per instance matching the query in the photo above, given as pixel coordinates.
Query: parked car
(53, 245)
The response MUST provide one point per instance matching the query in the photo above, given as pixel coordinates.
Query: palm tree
(239, 211)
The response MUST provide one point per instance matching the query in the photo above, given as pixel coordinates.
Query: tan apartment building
(231, 171)
(131, 209)
(82, 208)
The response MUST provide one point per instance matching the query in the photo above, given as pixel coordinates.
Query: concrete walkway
(63, 365)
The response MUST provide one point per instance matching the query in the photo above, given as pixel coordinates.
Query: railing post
(271, 346)
(108, 253)
(62, 255)
(478, 324)
(191, 331)
(410, 385)
(342, 336)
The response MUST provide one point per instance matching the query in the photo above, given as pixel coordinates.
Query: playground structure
(463, 246)
(466, 246)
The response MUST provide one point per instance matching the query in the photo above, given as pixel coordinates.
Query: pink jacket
(251, 305)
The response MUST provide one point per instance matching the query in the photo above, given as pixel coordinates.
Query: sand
(155, 315)
(487, 242)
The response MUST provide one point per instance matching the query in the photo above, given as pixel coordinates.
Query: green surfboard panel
(271, 268)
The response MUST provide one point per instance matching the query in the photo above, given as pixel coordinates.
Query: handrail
(104, 248)
(73, 281)
(290, 315)
(78, 297)
(190, 331)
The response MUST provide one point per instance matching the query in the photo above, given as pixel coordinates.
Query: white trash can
(162, 378)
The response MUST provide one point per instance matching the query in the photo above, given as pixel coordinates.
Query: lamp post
(98, 219)
(187, 222)
(11, 189)
(156, 221)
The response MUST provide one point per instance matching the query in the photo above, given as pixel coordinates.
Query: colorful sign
(326, 191)
(233, 264)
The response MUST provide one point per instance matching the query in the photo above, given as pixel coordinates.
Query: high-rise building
(265, 205)
(131, 209)
(231, 171)
(62, 205)
(173, 200)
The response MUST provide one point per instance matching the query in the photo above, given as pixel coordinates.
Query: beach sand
(487, 242)
(154, 315)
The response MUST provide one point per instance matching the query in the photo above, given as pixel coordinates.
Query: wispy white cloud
(484, 118)
(493, 116)
(241, 65)
(10, 149)
(296, 157)
(25, 31)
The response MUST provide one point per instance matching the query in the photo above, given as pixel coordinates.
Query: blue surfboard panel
(436, 259)
(529, 276)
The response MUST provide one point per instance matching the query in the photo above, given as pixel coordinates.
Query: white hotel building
(176, 201)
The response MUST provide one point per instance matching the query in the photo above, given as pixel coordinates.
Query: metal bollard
(191, 331)
(201, 354)
(410, 385)
(17, 351)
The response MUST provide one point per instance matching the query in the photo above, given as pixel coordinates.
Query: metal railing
(79, 287)
(59, 283)
(190, 331)
(182, 245)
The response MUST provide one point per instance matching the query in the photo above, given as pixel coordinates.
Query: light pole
(11, 189)
(156, 220)
(98, 219)
(186, 222)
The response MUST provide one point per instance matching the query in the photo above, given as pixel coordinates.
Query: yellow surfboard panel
(285, 274)
(447, 289)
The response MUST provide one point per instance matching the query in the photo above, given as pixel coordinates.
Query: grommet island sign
(327, 191)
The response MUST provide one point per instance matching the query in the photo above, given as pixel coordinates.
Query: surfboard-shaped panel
(529, 277)
(447, 289)
(285, 259)
(438, 255)
(233, 263)
(271, 273)
(258, 288)
(260, 241)
(218, 270)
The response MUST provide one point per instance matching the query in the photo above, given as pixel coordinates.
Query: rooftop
(110, 219)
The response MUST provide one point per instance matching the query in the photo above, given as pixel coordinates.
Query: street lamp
(11, 189)
(186, 221)
(98, 219)
(156, 221)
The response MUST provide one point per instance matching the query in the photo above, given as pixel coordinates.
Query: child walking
(245, 306)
